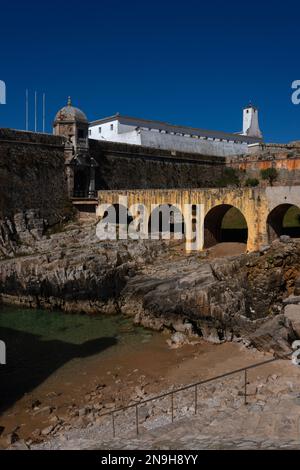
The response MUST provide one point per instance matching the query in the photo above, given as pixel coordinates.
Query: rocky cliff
(219, 299)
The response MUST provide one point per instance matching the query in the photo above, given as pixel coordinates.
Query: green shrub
(269, 174)
(229, 178)
(251, 182)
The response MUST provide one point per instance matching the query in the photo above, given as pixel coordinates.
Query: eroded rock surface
(221, 299)
(69, 270)
(224, 299)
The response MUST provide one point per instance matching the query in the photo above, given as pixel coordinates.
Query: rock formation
(236, 298)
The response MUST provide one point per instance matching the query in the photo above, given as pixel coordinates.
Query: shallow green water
(70, 328)
(41, 342)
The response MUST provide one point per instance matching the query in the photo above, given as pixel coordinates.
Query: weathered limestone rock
(177, 340)
(183, 327)
(19, 233)
(292, 300)
(71, 270)
(210, 334)
(275, 335)
(220, 299)
(297, 287)
(292, 313)
(285, 238)
(19, 445)
(224, 299)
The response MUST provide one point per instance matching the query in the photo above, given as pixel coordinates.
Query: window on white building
(99, 129)
(111, 127)
(90, 132)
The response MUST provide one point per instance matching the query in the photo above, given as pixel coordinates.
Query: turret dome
(70, 114)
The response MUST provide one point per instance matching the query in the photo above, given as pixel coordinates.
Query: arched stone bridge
(263, 208)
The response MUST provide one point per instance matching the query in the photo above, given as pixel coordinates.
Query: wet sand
(222, 250)
(152, 366)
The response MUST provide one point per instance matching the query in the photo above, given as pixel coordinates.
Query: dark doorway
(81, 182)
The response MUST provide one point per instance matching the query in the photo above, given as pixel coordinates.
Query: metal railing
(171, 393)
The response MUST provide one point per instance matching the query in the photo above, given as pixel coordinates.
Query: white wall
(154, 138)
(191, 144)
(119, 133)
(106, 132)
(125, 128)
(250, 122)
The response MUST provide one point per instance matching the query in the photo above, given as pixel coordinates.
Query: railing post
(113, 424)
(137, 419)
(172, 406)
(196, 399)
(245, 387)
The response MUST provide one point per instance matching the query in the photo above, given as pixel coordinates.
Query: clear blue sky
(191, 62)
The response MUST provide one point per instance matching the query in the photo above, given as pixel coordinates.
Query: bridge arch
(284, 219)
(224, 223)
(166, 221)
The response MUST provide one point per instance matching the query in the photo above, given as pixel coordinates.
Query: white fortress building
(148, 133)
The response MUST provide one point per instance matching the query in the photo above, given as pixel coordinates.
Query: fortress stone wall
(32, 170)
(32, 174)
(285, 158)
(123, 166)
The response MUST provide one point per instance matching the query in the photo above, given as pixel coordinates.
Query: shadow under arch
(284, 219)
(166, 219)
(224, 223)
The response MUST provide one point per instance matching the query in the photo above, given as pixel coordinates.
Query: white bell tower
(250, 122)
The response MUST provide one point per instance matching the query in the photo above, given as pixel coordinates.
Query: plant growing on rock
(269, 174)
(251, 182)
(229, 178)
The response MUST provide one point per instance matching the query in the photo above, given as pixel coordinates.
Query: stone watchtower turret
(250, 122)
(72, 123)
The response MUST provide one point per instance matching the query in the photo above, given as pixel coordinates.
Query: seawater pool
(40, 343)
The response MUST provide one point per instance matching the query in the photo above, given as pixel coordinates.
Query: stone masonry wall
(285, 158)
(123, 166)
(32, 174)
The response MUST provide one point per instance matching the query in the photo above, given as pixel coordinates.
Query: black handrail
(187, 387)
